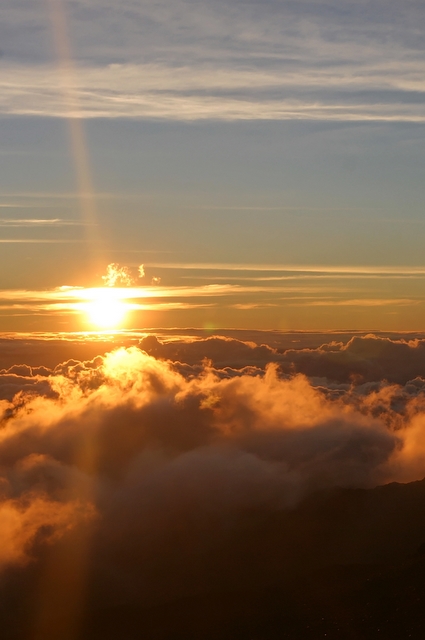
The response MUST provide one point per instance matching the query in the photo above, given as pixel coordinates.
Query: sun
(105, 309)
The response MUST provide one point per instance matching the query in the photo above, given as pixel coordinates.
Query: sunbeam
(79, 148)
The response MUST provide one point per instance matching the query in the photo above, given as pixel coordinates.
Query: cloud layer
(359, 94)
(205, 439)
(197, 61)
(146, 468)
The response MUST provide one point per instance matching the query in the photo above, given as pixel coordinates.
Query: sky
(263, 162)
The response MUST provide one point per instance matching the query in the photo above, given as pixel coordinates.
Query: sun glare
(106, 310)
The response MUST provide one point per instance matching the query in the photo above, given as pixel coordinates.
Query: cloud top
(145, 462)
(177, 437)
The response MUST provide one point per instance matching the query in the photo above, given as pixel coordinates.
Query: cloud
(276, 63)
(138, 406)
(368, 358)
(32, 222)
(75, 300)
(291, 288)
(157, 473)
(297, 269)
(144, 434)
(220, 350)
(11, 384)
(255, 61)
(116, 275)
(21, 521)
(37, 240)
(364, 302)
(364, 358)
(187, 94)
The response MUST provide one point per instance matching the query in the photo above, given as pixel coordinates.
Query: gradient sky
(264, 161)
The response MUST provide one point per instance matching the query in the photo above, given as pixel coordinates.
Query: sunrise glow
(106, 310)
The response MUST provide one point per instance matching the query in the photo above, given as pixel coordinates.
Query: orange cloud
(35, 516)
(176, 461)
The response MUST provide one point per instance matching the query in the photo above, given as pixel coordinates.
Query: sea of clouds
(144, 462)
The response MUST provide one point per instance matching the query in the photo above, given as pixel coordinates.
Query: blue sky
(243, 133)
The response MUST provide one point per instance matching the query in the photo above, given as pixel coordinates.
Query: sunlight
(106, 310)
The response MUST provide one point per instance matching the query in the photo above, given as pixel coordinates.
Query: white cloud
(117, 275)
(338, 93)
(34, 222)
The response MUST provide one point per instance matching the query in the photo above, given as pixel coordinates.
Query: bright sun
(106, 310)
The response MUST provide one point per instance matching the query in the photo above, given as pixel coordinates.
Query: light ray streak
(68, 78)
(52, 618)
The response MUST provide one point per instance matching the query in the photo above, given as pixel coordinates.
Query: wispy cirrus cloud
(80, 294)
(325, 270)
(38, 240)
(67, 300)
(187, 93)
(39, 222)
(12, 205)
(331, 61)
(363, 302)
